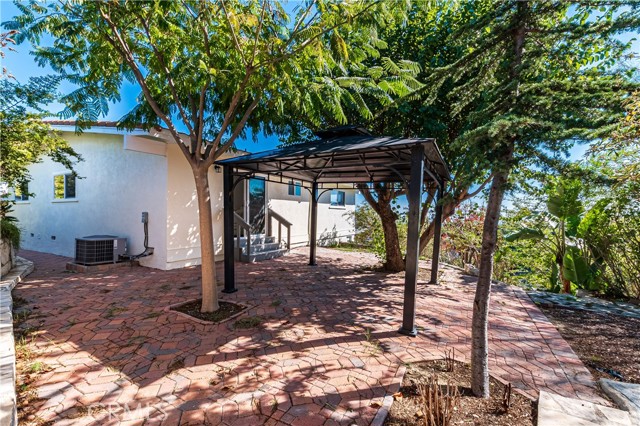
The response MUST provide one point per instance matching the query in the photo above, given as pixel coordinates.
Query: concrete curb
(170, 309)
(394, 387)
(8, 409)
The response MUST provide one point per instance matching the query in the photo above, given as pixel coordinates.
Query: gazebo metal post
(229, 265)
(437, 234)
(314, 224)
(413, 240)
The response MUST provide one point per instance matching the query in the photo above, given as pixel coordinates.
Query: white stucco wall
(334, 223)
(117, 185)
(295, 209)
(183, 229)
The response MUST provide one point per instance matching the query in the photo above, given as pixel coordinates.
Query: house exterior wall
(117, 185)
(123, 175)
(335, 223)
(183, 229)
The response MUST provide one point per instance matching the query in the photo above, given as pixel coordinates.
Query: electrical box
(145, 217)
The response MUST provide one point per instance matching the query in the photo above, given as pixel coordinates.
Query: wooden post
(229, 261)
(314, 224)
(413, 241)
(437, 234)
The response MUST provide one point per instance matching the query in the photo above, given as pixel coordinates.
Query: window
(22, 192)
(337, 198)
(64, 186)
(295, 188)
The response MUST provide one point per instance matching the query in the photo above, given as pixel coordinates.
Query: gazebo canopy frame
(348, 155)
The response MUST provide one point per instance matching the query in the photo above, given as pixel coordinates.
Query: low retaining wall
(7, 256)
(8, 412)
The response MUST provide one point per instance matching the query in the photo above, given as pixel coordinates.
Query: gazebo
(348, 155)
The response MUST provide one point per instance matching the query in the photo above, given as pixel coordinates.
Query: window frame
(337, 193)
(65, 187)
(21, 193)
(295, 188)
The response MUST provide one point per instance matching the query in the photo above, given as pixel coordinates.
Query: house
(127, 174)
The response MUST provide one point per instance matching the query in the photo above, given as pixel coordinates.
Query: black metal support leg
(413, 242)
(437, 234)
(314, 224)
(229, 261)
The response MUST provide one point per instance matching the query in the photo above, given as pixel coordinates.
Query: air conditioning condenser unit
(99, 249)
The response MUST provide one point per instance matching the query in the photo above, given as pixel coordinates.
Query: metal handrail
(281, 221)
(244, 225)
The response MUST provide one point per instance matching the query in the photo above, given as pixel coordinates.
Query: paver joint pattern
(326, 353)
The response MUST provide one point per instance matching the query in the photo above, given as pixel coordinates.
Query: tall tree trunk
(207, 252)
(479, 330)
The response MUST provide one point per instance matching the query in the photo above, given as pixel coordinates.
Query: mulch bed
(608, 345)
(226, 311)
(406, 410)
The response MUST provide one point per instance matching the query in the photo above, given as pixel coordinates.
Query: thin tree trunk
(479, 330)
(566, 284)
(480, 321)
(207, 252)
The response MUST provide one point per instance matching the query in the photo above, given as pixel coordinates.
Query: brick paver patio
(327, 351)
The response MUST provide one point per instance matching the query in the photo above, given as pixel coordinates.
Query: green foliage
(555, 231)
(212, 66)
(600, 250)
(462, 236)
(611, 229)
(369, 231)
(9, 231)
(25, 138)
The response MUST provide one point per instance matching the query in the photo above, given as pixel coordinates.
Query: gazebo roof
(347, 155)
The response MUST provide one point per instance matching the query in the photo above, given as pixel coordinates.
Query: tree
(542, 77)
(389, 95)
(556, 231)
(624, 144)
(24, 137)
(435, 110)
(211, 68)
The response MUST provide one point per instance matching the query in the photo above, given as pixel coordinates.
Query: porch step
(264, 255)
(257, 239)
(262, 248)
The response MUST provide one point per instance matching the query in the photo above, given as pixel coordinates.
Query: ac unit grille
(99, 249)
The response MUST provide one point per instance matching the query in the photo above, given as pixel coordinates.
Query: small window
(64, 186)
(295, 188)
(337, 198)
(22, 192)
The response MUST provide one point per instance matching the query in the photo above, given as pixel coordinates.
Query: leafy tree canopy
(25, 137)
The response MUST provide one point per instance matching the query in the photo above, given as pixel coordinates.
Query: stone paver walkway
(327, 351)
(585, 303)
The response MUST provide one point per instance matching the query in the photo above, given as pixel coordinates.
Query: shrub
(10, 232)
